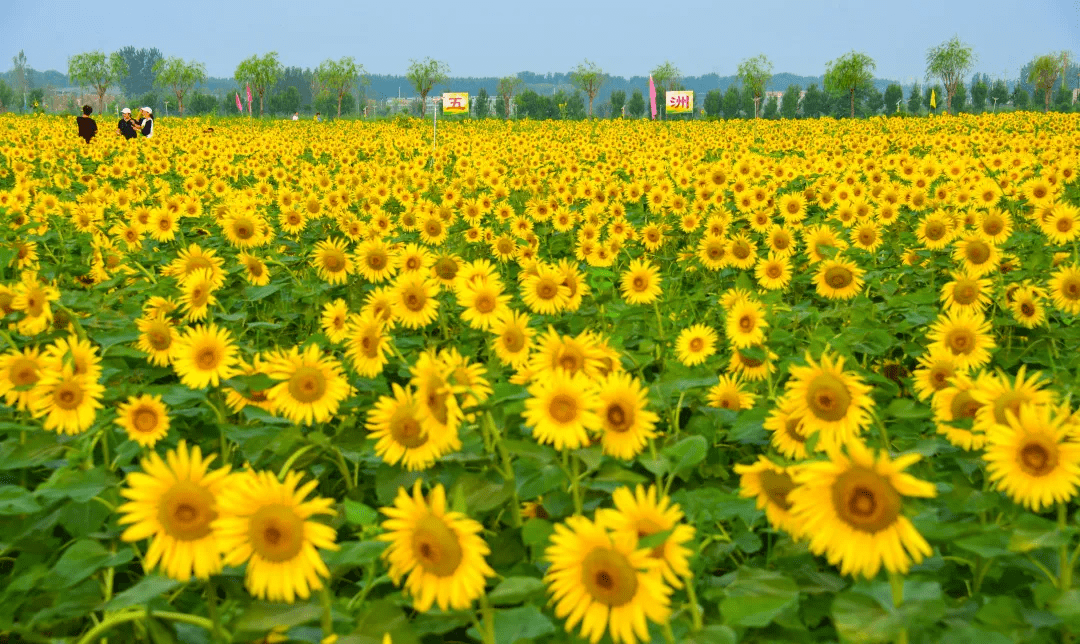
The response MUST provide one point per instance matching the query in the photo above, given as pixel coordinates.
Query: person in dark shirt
(126, 126)
(87, 125)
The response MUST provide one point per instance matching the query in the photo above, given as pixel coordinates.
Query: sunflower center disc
(436, 546)
(513, 340)
(160, 340)
(964, 405)
(485, 304)
(146, 420)
(206, 358)
(547, 290)
(1027, 309)
(407, 431)
(978, 252)
(23, 373)
(776, 486)
(563, 408)
(276, 532)
(376, 261)
(333, 263)
(961, 341)
(619, 419)
(186, 511)
(68, 395)
(865, 500)
(1037, 459)
(828, 397)
(307, 384)
(746, 323)
(608, 577)
(838, 277)
(640, 284)
(414, 301)
(965, 293)
(697, 344)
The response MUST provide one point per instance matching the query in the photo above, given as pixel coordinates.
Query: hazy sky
(502, 37)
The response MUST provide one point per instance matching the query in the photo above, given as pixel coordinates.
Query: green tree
(7, 96)
(755, 74)
(1020, 98)
(747, 105)
(894, 95)
(665, 76)
(772, 108)
(95, 69)
(713, 101)
(999, 93)
(732, 100)
(327, 101)
(21, 71)
(200, 103)
(588, 77)
(179, 76)
(872, 100)
(505, 89)
(915, 99)
(260, 73)
(636, 105)
(950, 61)
(140, 63)
(426, 74)
(618, 101)
(1044, 74)
(575, 106)
(482, 107)
(285, 102)
(959, 99)
(789, 103)
(979, 92)
(852, 71)
(339, 77)
(813, 104)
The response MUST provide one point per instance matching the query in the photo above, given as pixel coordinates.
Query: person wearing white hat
(126, 126)
(147, 124)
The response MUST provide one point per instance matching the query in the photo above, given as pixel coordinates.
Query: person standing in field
(146, 125)
(126, 126)
(296, 116)
(87, 125)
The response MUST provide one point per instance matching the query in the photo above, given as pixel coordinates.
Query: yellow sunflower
(69, 402)
(626, 423)
(266, 523)
(954, 406)
(837, 279)
(728, 394)
(936, 368)
(773, 272)
(562, 410)
(512, 338)
(605, 582)
(544, 292)
(439, 552)
(850, 510)
(966, 292)
(1065, 289)
(145, 419)
(415, 304)
(786, 430)
(174, 501)
(20, 372)
(830, 401)
(745, 324)
(334, 320)
(770, 484)
(999, 395)
(366, 345)
(395, 424)
(484, 304)
(311, 386)
(695, 344)
(1031, 459)
(204, 356)
(332, 261)
(965, 334)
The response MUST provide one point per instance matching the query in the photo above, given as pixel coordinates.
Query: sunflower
(746, 323)
(414, 299)
(512, 339)
(1031, 458)
(332, 261)
(484, 304)
(966, 292)
(198, 294)
(867, 236)
(978, 256)
(366, 345)
(562, 409)
(81, 355)
(575, 281)
(935, 231)
(204, 356)
(266, 523)
(395, 424)
(157, 339)
(1027, 306)
(174, 501)
(432, 378)
(374, 261)
(786, 427)
(440, 552)
(936, 369)
(995, 225)
(32, 298)
(311, 385)
(237, 399)
(712, 252)
(643, 513)
(20, 372)
(837, 279)
(998, 396)
(1065, 289)
(956, 403)
(773, 272)
(69, 402)
(544, 292)
(860, 526)
(255, 271)
(753, 363)
(695, 344)
(604, 582)
(1063, 225)
(830, 401)
(965, 334)
(626, 423)
(145, 419)
(414, 258)
(728, 394)
(770, 484)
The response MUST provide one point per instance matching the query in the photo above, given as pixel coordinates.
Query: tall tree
(505, 89)
(95, 69)
(588, 77)
(1044, 74)
(425, 75)
(894, 95)
(22, 75)
(618, 101)
(665, 77)
(999, 93)
(179, 76)
(789, 103)
(814, 103)
(915, 99)
(950, 61)
(979, 92)
(713, 101)
(482, 107)
(959, 99)
(755, 74)
(731, 102)
(848, 73)
(636, 105)
(1020, 98)
(140, 63)
(338, 77)
(259, 72)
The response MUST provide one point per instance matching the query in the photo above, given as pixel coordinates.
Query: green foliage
(915, 99)
(951, 61)
(959, 99)
(1044, 74)
(789, 104)
(283, 103)
(618, 102)
(140, 64)
(893, 98)
(482, 107)
(507, 87)
(713, 102)
(95, 69)
(425, 75)
(261, 73)
(772, 108)
(851, 72)
(1020, 98)
(732, 100)
(588, 77)
(203, 104)
(636, 105)
(179, 76)
(7, 97)
(979, 91)
(755, 74)
(339, 77)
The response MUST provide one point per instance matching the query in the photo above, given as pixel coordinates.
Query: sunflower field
(625, 381)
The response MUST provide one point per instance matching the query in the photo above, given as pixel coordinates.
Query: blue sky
(498, 38)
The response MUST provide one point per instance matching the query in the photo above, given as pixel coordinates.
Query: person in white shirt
(147, 122)
(296, 116)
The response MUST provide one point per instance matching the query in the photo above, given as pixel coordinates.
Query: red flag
(238, 105)
(652, 96)
(249, 95)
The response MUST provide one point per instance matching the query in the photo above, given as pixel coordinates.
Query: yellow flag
(933, 100)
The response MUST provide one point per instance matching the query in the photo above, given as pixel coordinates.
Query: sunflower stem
(669, 637)
(327, 620)
(659, 320)
(896, 581)
(695, 610)
(343, 465)
(212, 608)
(575, 488)
(489, 620)
(292, 459)
(1065, 571)
(130, 616)
(508, 470)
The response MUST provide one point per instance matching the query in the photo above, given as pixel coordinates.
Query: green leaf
(523, 624)
(712, 635)
(654, 540)
(860, 618)
(142, 592)
(908, 409)
(757, 597)
(253, 293)
(1031, 532)
(535, 532)
(16, 500)
(514, 590)
(261, 617)
(749, 427)
(358, 513)
(1067, 607)
(82, 559)
(78, 485)
(992, 543)
(687, 453)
